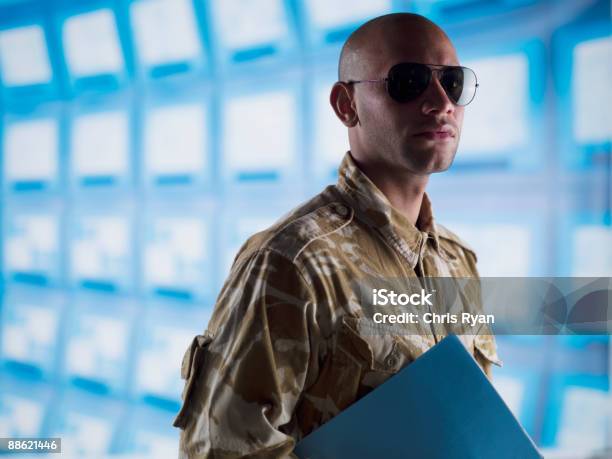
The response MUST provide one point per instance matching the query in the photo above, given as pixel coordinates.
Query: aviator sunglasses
(408, 80)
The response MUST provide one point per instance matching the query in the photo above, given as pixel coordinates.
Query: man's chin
(427, 162)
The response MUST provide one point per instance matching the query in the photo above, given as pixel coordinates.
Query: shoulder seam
(280, 233)
(348, 220)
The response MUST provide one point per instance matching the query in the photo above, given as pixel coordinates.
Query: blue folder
(440, 406)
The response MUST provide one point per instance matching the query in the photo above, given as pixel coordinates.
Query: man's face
(420, 136)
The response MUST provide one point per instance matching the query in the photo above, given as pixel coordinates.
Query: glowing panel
(165, 31)
(334, 13)
(31, 243)
(29, 333)
(101, 247)
(497, 118)
(98, 349)
(259, 132)
(85, 435)
(512, 390)
(176, 252)
(31, 150)
(239, 30)
(158, 372)
(24, 59)
(494, 259)
(155, 445)
(100, 144)
(584, 419)
(175, 140)
(592, 251)
(20, 416)
(592, 94)
(331, 139)
(91, 43)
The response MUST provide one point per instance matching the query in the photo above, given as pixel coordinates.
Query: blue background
(143, 141)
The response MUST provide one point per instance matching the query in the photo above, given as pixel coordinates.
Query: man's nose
(435, 99)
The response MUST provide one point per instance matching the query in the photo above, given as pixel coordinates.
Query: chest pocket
(382, 349)
(361, 356)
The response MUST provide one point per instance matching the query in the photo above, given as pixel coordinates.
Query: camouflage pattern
(284, 351)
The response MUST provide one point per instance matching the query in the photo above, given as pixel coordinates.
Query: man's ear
(341, 99)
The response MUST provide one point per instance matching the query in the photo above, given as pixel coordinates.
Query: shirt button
(342, 210)
(391, 361)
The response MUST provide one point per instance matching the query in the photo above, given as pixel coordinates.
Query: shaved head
(392, 141)
(377, 38)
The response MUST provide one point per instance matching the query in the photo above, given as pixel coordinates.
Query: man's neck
(403, 190)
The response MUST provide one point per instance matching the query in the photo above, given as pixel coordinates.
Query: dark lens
(460, 84)
(407, 81)
(452, 82)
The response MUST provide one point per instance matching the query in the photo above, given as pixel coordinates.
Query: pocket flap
(198, 342)
(189, 368)
(378, 344)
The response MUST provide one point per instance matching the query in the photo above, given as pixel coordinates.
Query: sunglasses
(408, 80)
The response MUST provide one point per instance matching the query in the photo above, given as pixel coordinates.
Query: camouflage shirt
(285, 350)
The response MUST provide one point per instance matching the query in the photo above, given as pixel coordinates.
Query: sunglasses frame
(433, 68)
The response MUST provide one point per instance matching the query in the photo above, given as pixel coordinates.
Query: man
(287, 347)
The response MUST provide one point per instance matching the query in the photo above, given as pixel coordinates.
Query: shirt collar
(373, 208)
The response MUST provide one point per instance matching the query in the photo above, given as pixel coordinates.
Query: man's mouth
(436, 134)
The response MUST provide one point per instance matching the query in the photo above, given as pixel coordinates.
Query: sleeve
(485, 353)
(245, 375)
